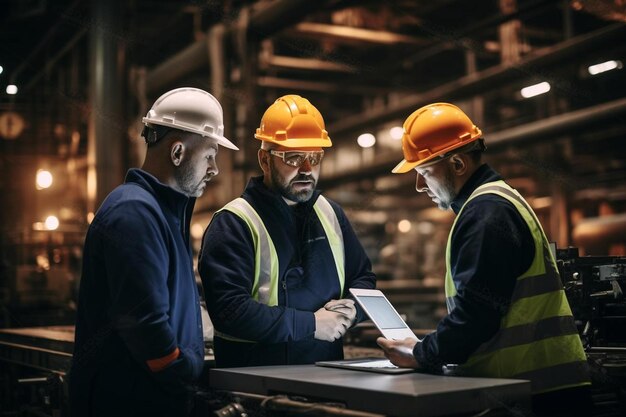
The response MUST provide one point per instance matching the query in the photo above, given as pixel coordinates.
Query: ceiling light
(11, 89)
(44, 179)
(51, 223)
(404, 226)
(1, 69)
(366, 140)
(604, 67)
(535, 90)
(396, 132)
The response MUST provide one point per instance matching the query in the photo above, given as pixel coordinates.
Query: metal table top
(413, 394)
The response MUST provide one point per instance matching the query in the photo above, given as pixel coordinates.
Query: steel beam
(263, 23)
(488, 79)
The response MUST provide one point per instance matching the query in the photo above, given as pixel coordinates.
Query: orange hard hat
(293, 122)
(432, 131)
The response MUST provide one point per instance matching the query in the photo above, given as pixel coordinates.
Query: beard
(288, 190)
(447, 191)
(187, 180)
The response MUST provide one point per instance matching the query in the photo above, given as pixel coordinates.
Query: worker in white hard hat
(139, 342)
(277, 263)
(508, 316)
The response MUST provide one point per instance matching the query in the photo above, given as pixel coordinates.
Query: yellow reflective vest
(537, 339)
(265, 287)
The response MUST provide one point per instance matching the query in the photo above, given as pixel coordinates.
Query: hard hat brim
(404, 166)
(221, 140)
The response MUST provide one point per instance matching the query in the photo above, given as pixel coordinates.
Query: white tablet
(382, 313)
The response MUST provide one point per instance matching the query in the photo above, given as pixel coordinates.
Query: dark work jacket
(138, 301)
(307, 274)
(491, 246)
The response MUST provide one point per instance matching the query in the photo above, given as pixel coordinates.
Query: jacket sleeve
(137, 263)
(226, 265)
(491, 247)
(358, 267)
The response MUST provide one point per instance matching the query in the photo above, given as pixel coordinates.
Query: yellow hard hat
(293, 122)
(433, 131)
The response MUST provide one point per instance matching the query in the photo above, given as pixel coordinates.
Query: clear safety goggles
(297, 158)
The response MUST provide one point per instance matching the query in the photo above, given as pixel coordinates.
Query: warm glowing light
(396, 132)
(11, 89)
(604, 67)
(197, 231)
(535, 90)
(44, 179)
(90, 217)
(51, 223)
(366, 140)
(404, 226)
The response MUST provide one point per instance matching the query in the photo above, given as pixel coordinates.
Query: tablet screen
(386, 316)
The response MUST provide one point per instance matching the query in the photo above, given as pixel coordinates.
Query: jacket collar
(482, 175)
(176, 202)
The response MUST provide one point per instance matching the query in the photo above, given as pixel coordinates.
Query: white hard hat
(192, 110)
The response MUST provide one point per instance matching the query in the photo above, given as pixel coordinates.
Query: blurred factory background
(545, 80)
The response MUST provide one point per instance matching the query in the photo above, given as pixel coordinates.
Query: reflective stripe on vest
(537, 339)
(265, 286)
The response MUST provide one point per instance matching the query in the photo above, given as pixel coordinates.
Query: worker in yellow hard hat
(277, 263)
(508, 316)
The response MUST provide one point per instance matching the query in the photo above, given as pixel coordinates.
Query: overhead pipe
(484, 80)
(557, 125)
(263, 23)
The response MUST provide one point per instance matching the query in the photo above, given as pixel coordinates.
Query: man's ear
(459, 164)
(264, 160)
(177, 152)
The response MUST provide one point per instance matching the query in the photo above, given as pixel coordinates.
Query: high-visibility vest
(266, 263)
(537, 339)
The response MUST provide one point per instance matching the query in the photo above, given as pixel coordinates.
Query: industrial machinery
(595, 286)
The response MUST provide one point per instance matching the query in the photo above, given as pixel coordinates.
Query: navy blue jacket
(138, 301)
(491, 246)
(308, 279)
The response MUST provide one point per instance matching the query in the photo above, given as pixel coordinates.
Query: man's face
(293, 183)
(437, 180)
(198, 166)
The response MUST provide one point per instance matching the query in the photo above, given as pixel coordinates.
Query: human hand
(399, 352)
(330, 325)
(344, 306)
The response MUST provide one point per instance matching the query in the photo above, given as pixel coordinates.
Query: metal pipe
(284, 403)
(106, 129)
(263, 23)
(484, 80)
(556, 125)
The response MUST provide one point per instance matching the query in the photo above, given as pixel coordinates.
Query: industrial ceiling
(87, 71)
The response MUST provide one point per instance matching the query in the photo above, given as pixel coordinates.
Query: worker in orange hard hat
(277, 263)
(508, 316)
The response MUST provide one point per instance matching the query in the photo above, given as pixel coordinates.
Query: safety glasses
(297, 158)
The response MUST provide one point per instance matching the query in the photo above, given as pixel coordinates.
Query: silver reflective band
(265, 288)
